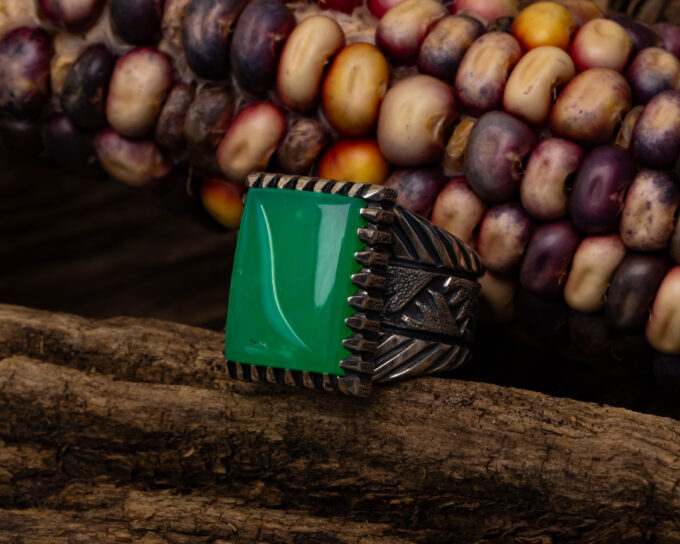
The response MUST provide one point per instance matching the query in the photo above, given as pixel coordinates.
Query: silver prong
(372, 235)
(239, 371)
(357, 343)
(377, 215)
(360, 322)
(361, 301)
(254, 374)
(269, 374)
(366, 279)
(357, 364)
(370, 257)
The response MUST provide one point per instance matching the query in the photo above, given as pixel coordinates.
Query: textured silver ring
(415, 292)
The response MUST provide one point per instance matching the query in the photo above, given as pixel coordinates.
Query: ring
(334, 287)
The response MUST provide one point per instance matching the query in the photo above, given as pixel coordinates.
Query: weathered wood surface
(128, 430)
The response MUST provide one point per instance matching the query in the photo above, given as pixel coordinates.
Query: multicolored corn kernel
(135, 162)
(303, 59)
(656, 136)
(303, 143)
(534, 82)
(483, 72)
(592, 268)
(649, 211)
(380, 7)
(208, 116)
(251, 140)
(259, 35)
(547, 259)
(546, 184)
(223, 200)
(137, 22)
(632, 290)
(85, 89)
(359, 161)
(591, 106)
(444, 47)
(663, 327)
(503, 237)
(206, 28)
(354, 88)
(417, 189)
(599, 190)
(403, 28)
(652, 71)
(601, 43)
(169, 131)
(138, 87)
(458, 210)
(544, 23)
(76, 16)
(414, 117)
(495, 153)
(25, 55)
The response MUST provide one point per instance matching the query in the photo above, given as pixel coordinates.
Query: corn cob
(558, 128)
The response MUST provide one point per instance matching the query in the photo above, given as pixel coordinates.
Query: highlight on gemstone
(292, 278)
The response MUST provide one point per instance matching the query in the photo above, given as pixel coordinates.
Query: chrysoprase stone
(291, 279)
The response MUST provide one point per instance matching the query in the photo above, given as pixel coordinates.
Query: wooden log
(144, 405)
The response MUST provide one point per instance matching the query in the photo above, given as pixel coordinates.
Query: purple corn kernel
(445, 45)
(22, 136)
(632, 289)
(206, 30)
(653, 71)
(137, 22)
(75, 16)
(169, 131)
(25, 55)
(258, 38)
(208, 116)
(417, 188)
(83, 96)
(642, 34)
(599, 190)
(656, 136)
(548, 255)
(670, 34)
(493, 158)
(544, 319)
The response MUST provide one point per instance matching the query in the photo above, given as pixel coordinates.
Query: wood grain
(145, 406)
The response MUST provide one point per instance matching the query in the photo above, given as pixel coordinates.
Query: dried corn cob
(560, 126)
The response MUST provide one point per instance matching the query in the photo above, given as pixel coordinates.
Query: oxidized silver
(416, 300)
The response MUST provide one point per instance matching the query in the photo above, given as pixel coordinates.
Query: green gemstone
(291, 280)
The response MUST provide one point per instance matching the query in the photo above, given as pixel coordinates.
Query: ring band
(305, 244)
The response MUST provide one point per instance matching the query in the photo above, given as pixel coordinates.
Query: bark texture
(129, 430)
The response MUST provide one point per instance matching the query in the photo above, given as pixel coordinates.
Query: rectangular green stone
(291, 280)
